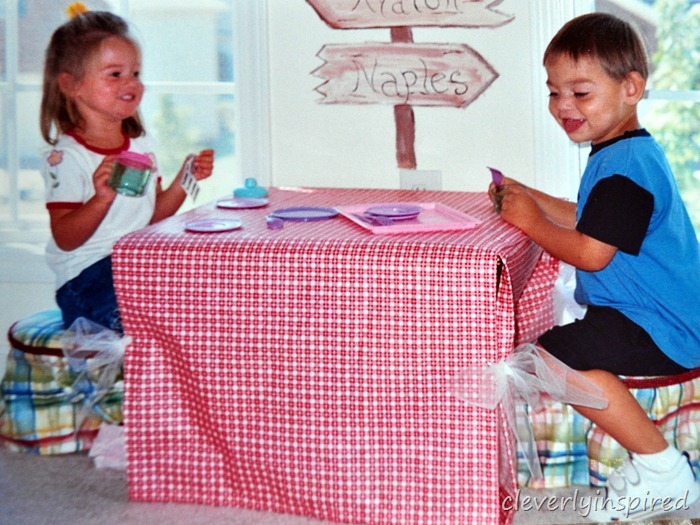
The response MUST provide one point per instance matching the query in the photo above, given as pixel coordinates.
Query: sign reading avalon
(404, 73)
(348, 14)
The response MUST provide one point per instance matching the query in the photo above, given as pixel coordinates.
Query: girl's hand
(203, 164)
(100, 179)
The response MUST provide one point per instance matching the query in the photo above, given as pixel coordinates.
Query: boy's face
(590, 105)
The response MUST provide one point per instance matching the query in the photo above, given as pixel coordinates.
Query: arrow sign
(395, 73)
(351, 14)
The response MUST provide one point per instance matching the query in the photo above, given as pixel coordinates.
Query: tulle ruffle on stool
(571, 450)
(529, 375)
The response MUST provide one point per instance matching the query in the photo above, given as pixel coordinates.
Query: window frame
(252, 99)
(559, 162)
(9, 90)
(251, 102)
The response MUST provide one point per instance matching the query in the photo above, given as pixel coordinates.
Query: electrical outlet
(420, 179)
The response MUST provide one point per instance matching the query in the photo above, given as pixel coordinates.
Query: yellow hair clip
(75, 9)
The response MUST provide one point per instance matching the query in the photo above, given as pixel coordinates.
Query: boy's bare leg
(654, 470)
(624, 418)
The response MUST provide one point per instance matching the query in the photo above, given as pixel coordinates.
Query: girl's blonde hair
(69, 50)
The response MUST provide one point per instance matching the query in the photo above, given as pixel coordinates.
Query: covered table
(306, 370)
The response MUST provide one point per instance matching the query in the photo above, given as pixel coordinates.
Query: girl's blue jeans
(91, 295)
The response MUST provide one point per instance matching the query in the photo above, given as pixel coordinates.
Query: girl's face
(588, 103)
(110, 89)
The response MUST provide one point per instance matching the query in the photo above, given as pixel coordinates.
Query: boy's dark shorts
(605, 339)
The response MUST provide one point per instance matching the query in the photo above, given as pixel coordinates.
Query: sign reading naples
(415, 74)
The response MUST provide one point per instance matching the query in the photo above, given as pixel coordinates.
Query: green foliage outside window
(676, 124)
(175, 135)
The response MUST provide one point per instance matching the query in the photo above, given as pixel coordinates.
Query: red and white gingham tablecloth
(306, 370)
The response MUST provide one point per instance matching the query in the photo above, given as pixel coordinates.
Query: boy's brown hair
(604, 37)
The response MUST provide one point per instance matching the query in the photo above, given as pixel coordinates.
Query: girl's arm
(169, 201)
(71, 228)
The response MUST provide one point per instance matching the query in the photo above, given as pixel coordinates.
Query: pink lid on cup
(135, 160)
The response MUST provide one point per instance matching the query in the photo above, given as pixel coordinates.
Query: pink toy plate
(395, 211)
(434, 217)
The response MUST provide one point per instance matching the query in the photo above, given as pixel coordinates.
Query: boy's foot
(637, 491)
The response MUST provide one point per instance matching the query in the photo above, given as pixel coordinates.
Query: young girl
(636, 254)
(91, 95)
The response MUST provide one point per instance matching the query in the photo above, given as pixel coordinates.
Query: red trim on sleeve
(63, 205)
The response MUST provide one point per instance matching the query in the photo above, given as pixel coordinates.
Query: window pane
(676, 125)
(190, 42)
(37, 21)
(183, 124)
(671, 29)
(3, 40)
(4, 174)
(30, 185)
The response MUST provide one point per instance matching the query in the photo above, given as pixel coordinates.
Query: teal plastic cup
(130, 174)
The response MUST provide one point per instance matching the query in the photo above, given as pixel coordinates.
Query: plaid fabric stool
(574, 451)
(39, 408)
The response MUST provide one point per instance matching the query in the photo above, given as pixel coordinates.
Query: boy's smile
(590, 105)
(570, 125)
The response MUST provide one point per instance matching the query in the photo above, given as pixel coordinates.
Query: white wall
(317, 144)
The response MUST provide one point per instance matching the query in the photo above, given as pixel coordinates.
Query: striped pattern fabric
(39, 333)
(574, 451)
(39, 412)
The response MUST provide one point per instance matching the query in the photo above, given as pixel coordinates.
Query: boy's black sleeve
(618, 212)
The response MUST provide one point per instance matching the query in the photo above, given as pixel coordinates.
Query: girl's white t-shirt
(68, 169)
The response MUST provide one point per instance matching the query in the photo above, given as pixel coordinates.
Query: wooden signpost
(356, 14)
(403, 73)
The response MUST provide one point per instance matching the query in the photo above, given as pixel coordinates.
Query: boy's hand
(507, 181)
(518, 207)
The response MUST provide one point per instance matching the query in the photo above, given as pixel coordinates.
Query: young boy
(635, 250)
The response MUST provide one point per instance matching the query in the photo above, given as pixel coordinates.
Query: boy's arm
(557, 209)
(561, 211)
(551, 225)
